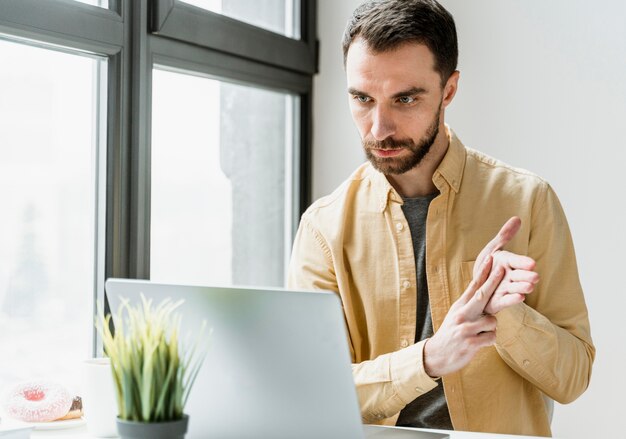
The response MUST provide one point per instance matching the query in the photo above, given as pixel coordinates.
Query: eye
(406, 99)
(362, 99)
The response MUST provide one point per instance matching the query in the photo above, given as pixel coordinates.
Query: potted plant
(153, 374)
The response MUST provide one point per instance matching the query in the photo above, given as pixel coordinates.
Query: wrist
(430, 366)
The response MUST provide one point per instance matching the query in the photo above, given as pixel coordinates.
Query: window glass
(47, 227)
(221, 182)
(280, 16)
(101, 3)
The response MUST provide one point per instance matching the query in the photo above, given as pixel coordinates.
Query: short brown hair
(387, 24)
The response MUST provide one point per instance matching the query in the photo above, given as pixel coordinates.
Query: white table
(81, 433)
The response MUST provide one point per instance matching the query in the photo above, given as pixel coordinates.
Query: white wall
(543, 87)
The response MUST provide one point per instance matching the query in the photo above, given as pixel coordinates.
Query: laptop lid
(278, 364)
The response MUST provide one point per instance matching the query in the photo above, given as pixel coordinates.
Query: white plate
(59, 425)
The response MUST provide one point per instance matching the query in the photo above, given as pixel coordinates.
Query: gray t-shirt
(429, 410)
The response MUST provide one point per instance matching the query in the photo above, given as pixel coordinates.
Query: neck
(418, 182)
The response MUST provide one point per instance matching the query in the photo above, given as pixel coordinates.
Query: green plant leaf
(152, 380)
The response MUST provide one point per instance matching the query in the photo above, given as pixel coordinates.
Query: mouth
(387, 152)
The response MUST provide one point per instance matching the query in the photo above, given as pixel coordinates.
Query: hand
(518, 281)
(465, 329)
(519, 277)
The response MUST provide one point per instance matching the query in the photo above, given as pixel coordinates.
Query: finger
(522, 276)
(484, 323)
(514, 288)
(478, 280)
(476, 305)
(484, 339)
(504, 302)
(506, 233)
(515, 261)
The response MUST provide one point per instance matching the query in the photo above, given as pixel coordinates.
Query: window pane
(221, 182)
(101, 3)
(47, 187)
(280, 16)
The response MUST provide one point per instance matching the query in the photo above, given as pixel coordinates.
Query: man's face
(396, 101)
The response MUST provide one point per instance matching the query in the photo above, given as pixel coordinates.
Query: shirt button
(526, 363)
(406, 284)
(404, 342)
(399, 227)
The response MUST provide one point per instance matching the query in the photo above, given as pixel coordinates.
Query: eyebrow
(354, 91)
(409, 92)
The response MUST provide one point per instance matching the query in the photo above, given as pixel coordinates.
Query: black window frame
(134, 35)
(185, 22)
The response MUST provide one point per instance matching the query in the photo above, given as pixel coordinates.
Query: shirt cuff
(408, 376)
(510, 322)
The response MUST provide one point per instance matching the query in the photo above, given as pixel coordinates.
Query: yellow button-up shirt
(357, 243)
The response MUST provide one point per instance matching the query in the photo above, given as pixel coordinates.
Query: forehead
(408, 65)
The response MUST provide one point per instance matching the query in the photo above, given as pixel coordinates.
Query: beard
(400, 165)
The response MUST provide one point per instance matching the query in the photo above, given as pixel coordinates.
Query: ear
(449, 90)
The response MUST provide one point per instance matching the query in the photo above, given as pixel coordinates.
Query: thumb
(478, 280)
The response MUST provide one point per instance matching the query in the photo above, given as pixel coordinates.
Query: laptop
(278, 365)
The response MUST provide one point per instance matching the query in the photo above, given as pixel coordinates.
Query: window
(48, 175)
(183, 21)
(124, 147)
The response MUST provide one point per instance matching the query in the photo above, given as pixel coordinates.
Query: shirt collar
(448, 173)
(453, 163)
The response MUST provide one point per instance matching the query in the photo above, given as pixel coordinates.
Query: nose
(383, 125)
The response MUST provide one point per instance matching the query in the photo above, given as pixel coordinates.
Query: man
(449, 326)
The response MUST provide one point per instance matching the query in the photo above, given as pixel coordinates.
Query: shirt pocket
(467, 272)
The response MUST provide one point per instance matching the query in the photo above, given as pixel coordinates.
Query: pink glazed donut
(38, 401)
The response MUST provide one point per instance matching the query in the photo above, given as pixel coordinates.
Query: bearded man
(456, 272)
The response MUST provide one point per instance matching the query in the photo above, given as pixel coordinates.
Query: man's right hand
(465, 329)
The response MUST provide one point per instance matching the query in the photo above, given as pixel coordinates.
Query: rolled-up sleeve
(388, 383)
